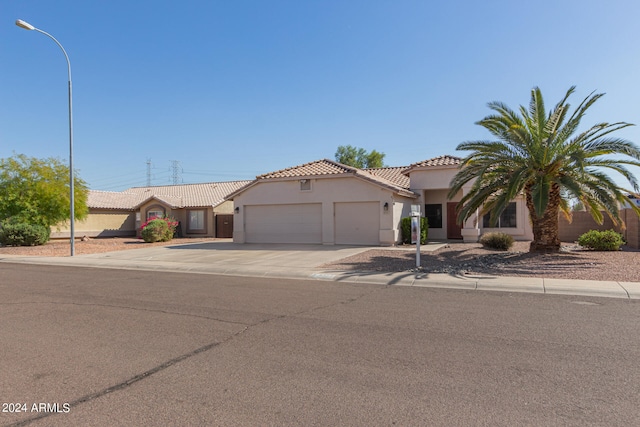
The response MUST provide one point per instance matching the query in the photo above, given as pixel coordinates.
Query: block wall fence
(582, 222)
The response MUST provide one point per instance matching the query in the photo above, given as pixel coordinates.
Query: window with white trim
(196, 221)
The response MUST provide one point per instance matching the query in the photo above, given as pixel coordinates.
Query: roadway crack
(137, 378)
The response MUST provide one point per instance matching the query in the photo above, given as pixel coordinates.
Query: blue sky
(234, 89)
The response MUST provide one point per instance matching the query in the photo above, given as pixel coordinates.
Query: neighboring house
(633, 199)
(331, 203)
(201, 209)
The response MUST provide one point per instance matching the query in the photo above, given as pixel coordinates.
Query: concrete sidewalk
(303, 261)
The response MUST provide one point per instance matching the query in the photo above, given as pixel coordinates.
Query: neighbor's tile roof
(113, 200)
(388, 178)
(176, 196)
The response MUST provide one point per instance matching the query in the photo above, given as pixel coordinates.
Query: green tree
(36, 191)
(359, 157)
(544, 156)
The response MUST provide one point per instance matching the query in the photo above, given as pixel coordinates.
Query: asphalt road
(119, 348)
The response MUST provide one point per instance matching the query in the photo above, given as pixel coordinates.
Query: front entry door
(454, 229)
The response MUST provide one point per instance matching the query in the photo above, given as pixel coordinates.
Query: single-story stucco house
(325, 202)
(201, 209)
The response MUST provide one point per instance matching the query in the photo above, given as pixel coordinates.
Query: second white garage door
(357, 223)
(294, 223)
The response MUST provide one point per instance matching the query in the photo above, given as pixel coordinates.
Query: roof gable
(317, 168)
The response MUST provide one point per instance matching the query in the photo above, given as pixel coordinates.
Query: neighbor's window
(155, 213)
(305, 185)
(507, 218)
(195, 223)
(433, 213)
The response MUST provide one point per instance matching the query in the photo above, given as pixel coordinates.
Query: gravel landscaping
(573, 262)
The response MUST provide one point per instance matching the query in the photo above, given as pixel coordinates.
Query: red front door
(454, 228)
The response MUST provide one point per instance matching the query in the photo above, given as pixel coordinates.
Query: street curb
(545, 286)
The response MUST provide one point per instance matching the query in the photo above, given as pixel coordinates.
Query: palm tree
(543, 156)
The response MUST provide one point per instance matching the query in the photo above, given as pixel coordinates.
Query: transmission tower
(176, 172)
(148, 172)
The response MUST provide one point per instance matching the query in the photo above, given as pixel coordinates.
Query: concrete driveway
(224, 253)
(222, 257)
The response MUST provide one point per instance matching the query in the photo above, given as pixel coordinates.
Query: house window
(305, 185)
(433, 213)
(155, 213)
(196, 221)
(507, 218)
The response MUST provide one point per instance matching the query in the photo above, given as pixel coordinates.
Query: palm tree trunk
(545, 227)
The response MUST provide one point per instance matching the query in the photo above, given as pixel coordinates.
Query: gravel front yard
(91, 246)
(572, 262)
(456, 258)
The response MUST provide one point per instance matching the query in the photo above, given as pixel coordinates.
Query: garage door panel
(357, 223)
(292, 223)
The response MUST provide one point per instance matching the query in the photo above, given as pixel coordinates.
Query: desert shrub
(17, 233)
(405, 227)
(497, 240)
(156, 230)
(608, 240)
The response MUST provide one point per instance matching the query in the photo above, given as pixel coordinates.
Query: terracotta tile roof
(393, 174)
(113, 200)
(317, 168)
(445, 160)
(325, 167)
(439, 161)
(176, 196)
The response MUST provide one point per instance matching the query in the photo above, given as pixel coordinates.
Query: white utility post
(415, 230)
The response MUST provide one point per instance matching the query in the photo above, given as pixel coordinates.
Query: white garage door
(299, 223)
(357, 223)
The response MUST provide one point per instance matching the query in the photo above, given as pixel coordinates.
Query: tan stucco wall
(326, 191)
(435, 178)
(99, 223)
(225, 207)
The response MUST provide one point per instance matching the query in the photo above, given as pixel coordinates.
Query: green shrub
(13, 233)
(497, 240)
(608, 240)
(405, 226)
(157, 230)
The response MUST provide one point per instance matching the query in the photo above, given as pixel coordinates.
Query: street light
(22, 24)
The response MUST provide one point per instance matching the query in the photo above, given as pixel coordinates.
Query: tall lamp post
(22, 24)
